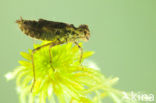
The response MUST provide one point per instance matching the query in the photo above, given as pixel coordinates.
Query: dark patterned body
(54, 31)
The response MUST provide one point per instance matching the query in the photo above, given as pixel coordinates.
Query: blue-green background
(123, 35)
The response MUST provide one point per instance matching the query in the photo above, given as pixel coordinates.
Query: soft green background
(123, 35)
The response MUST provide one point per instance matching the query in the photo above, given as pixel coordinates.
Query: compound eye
(24, 22)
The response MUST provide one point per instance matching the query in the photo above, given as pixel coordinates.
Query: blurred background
(123, 36)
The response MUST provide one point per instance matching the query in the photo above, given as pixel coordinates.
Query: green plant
(71, 82)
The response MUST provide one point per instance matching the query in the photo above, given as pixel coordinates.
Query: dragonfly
(56, 32)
